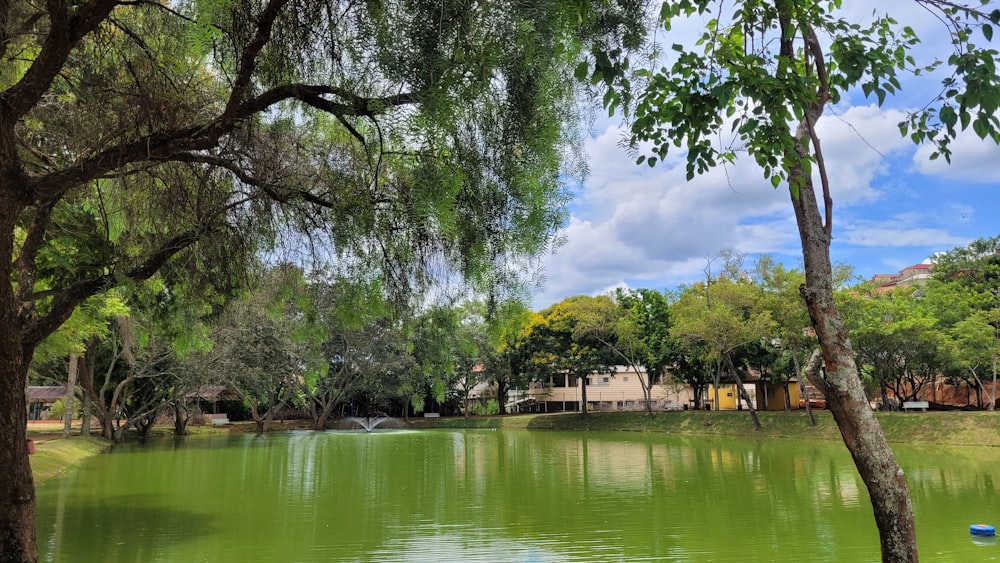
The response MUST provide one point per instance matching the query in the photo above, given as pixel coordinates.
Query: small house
(41, 398)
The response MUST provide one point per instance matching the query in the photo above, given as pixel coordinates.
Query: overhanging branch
(66, 300)
(166, 145)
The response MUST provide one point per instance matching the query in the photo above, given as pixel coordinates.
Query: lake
(487, 495)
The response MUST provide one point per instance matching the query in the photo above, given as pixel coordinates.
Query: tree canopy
(410, 138)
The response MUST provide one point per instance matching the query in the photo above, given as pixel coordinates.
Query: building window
(625, 379)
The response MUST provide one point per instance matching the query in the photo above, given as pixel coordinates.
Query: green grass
(952, 428)
(55, 455)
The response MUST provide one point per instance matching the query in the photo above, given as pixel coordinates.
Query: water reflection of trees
(582, 496)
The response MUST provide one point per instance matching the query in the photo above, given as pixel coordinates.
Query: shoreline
(55, 454)
(944, 428)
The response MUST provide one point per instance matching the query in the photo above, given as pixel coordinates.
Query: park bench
(218, 418)
(915, 406)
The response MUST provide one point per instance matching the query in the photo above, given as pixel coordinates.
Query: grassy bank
(951, 428)
(54, 455)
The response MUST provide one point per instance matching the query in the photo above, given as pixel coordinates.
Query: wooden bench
(915, 405)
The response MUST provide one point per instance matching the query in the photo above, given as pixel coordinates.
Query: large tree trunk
(502, 394)
(181, 417)
(108, 425)
(332, 401)
(647, 389)
(583, 395)
(17, 488)
(842, 386)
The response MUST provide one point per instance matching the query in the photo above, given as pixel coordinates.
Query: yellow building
(727, 396)
(764, 395)
(771, 397)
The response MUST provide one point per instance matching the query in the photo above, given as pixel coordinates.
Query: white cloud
(855, 142)
(972, 160)
(906, 229)
(650, 224)
(639, 226)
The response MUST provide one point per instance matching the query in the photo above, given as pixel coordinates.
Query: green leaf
(981, 128)
(948, 116)
(581, 71)
(988, 31)
(776, 180)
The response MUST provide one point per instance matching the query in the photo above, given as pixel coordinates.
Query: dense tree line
(327, 347)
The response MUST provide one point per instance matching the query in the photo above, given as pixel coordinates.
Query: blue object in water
(982, 530)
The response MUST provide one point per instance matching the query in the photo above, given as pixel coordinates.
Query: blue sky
(637, 226)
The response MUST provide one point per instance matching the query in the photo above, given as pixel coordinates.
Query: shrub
(490, 408)
(58, 409)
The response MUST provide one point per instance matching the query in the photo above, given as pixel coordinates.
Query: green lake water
(481, 495)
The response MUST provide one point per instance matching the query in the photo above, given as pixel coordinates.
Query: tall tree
(723, 316)
(509, 327)
(781, 296)
(644, 328)
(408, 134)
(434, 343)
(972, 273)
(344, 322)
(473, 349)
(767, 71)
(127, 376)
(633, 325)
(562, 340)
(896, 339)
(255, 352)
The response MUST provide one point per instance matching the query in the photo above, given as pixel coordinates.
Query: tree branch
(812, 372)
(164, 145)
(248, 61)
(251, 180)
(66, 300)
(33, 242)
(65, 32)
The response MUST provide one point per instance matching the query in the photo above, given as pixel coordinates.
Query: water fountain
(369, 423)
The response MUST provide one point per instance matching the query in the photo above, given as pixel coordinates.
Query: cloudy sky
(637, 226)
